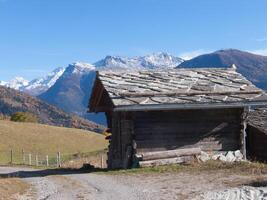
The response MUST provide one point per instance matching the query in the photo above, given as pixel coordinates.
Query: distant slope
(12, 101)
(252, 66)
(47, 140)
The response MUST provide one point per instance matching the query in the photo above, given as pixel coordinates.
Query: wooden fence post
(47, 161)
(102, 161)
(36, 160)
(58, 159)
(30, 159)
(11, 156)
(23, 157)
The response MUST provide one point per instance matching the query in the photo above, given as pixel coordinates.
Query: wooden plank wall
(121, 140)
(256, 144)
(211, 130)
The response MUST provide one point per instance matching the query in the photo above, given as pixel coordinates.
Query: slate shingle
(179, 86)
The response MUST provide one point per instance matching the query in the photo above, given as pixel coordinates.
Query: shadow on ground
(48, 172)
(258, 184)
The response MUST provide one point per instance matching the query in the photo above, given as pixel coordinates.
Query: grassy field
(45, 140)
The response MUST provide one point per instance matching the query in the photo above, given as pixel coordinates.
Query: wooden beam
(168, 161)
(100, 92)
(243, 136)
(102, 109)
(169, 154)
(189, 106)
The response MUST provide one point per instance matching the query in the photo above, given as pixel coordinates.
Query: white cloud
(191, 54)
(262, 52)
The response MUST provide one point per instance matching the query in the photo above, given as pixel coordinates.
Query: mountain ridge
(151, 61)
(252, 66)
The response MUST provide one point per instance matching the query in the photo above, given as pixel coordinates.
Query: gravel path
(74, 186)
(242, 193)
(48, 185)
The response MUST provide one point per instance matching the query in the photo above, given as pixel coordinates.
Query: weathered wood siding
(210, 130)
(121, 139)
(256, 144)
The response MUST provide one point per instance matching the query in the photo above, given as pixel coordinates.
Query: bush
(24, 117)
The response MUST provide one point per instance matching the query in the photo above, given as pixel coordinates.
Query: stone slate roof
(179, 86)
(258, 119)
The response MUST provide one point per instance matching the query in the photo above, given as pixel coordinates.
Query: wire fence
(57, 159)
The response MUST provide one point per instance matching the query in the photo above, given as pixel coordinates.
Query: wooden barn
(257, 135)
(157, 111)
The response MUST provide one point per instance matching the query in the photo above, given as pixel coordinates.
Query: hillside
(252, 66)
(47, 140)
(12, 101)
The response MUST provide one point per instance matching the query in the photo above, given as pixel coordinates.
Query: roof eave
(154, 107)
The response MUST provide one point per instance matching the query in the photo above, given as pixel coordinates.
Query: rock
(238, 155)
(222, 158)
(216, 156)
(203, 156)
(230, 157)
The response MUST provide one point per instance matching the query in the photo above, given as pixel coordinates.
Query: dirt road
(54, 185)
(65, 185)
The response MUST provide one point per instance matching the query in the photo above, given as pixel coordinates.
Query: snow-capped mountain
(79, 68)
(36, 86)
(40, 85)
(152, 61)
(160, 60)
(3, 83)
(72, 91)
(70, 88)
(16, 83)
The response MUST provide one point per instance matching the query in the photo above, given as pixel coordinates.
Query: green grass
(45, 140)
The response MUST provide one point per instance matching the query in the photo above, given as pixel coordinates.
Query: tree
(24, 117)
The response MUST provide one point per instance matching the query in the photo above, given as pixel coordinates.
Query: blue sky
(37, 36)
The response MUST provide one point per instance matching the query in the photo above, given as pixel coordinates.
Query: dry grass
(11, 187)
(97, 159)
(46, 140)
